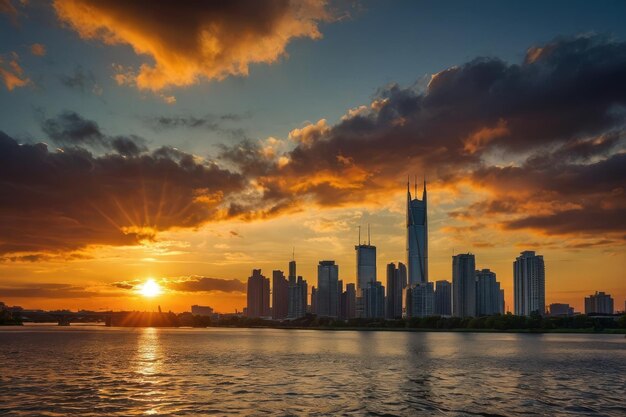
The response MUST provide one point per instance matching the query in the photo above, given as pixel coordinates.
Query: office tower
(529, 284)
(373, 300)
(365, 263)
(420, 300)
(348, 302)
(197, 310)
(396, 279)
(502, 305)
(487, 293)
(327, 283)
(280, 295)
(417, 237)
(297, 301)
(339, 298)
(599, 303)
(443, 298)
(463, 285)
(258, 295)
(558, 309)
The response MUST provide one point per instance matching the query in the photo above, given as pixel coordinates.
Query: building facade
(417, 237)
(197, 310)
(373, 297)
(327, 289)
(488, 294)
(561, 310)
(443, 298)
(529, 284)
(599, 303)
(298, 290)
(280, 295)
(396, 281)
(420, 300)
(348, 302)
(464, 285)
(258, 296)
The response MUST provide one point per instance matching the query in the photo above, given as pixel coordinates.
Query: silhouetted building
(561, 310)
(327, 294)
(197, 310)
(297, 301)
(529, 284)
(502, 304)
(599, 303)
(417, 237)
(313, 300)
(280, 295)
(487, 293)
(396, 281)
(443, 298)
(463, 285)
(348, 302)
(365, 269)
(373, 300)
(258, 295)
(420, 299)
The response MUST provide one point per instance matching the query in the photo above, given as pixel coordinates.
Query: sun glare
(150, 288)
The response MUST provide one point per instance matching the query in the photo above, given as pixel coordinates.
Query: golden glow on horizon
(150, 289)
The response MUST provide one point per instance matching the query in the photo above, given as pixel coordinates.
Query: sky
(190, 143)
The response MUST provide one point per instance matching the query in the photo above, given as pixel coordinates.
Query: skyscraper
(417, 237)
(599, 303)
(258, 295)
(443, 298)
(297, 301)
(348, 302)
(464, 285)
(529, 284)
(487, 293)
(396, 281)
(327, 294)
(280, 295)
(365, 263)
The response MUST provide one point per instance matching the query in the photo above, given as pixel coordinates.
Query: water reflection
(148, 366)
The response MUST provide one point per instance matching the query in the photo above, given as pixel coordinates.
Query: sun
(150, 288)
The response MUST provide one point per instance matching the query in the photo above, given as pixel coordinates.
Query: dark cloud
(66, 200)
(555, 124)
(589, 220)
(204, 284)
(81, 80)
(71, 129)
(47, 291)
(209, 122)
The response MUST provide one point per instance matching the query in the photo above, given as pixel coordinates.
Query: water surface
(99, 371)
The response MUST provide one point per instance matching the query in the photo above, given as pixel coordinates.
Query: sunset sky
(191, 142)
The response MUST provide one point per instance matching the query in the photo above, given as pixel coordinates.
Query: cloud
(12, 73)
(38, 49)
(186, 42)
(205, 284)
(526, 134)
(209, 122)
(52, 202)
(47, 291)
(7, 7)
(81, 80)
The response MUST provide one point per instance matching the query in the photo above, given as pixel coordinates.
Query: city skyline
(130, 155)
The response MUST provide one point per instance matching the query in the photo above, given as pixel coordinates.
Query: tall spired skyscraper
(417, 237)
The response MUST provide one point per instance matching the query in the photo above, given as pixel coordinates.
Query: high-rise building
(464, 285)
(443, 298)
(258, 295)
(313, 300)
(327, 284)
(501, 304)
(297, 300)
(487, 293)
(365, 263)
(373, 300)
(396, 281)
(417, 237)
(280, 295)
(529, 284)
(599, 303)
(420, 300)
(348, 302)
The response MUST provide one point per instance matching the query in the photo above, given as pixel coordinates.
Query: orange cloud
(187, 42)
(12, 73)
(38, 49)
(480, 138)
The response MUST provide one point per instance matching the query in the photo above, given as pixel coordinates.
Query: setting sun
(150, 288)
